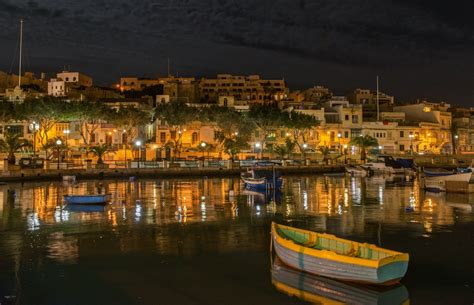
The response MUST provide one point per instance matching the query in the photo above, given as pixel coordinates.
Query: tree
(325, 151)
(130, 119)
(290, 146)
(11, 143)
(301, 124)
(7, 113)
(46, 111)
(364, 142)
(233, 130)
(266, 118)
(99, 151)
(176, 115)
(281, 151)
(89, 115)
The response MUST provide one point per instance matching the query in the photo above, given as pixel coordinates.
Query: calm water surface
(192, 241)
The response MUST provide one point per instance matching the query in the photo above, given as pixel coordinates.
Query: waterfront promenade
(219, 169)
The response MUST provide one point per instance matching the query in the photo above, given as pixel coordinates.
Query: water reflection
(189, 217)
(321, 290)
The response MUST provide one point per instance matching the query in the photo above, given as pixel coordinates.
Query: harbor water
(207, 241)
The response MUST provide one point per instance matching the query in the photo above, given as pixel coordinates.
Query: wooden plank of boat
(87, 199)
(329, 256)
(322, 290)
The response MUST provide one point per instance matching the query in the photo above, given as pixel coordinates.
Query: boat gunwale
(332, 255)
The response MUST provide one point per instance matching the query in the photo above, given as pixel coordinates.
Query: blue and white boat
(262, 179)
(87, 199)
(437, 172)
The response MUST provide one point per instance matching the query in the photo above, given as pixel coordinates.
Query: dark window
(162, 137)
(194, 138)
(355, 118)
(346, 134)
(402, 133)
(347, 117)
(402, 147)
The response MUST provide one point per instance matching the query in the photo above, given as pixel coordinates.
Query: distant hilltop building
(250, 88)
(65, 81)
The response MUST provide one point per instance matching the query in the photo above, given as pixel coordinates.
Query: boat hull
(318, 289)
(438, 184)
(322, 262)
(86, 199)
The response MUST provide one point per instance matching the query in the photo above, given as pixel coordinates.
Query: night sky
(419, 48)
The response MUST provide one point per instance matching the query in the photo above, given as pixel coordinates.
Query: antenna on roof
(21, 49)
(378, 106)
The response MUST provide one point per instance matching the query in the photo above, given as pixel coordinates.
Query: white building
(57, 87)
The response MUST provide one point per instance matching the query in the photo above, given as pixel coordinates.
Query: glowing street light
(58, 145)
(138, 144)
(34, 127)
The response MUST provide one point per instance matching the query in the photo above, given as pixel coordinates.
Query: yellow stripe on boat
(392, 256)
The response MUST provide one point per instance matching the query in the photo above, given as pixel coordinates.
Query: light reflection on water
(218, 215)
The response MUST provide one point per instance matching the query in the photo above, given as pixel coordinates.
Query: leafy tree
(176, 115)
(301, 124)
(364, 142)
(266, 118)
(89, 115)
(99, 151)
(11, 143)
(232, 128)
(47, 111)
(130, 119)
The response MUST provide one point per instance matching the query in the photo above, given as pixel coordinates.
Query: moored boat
(378, 168)
(87, 199)
(330, 256)
(438, 183)
(437, 172)
(356, 171)
(261, 179)
(322, 290)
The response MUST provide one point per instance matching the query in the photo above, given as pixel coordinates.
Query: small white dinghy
(87, 199)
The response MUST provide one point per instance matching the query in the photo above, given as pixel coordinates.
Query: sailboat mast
(378, 106)
(21, 49)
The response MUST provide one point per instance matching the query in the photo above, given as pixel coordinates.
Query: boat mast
(378, 106)
(21, 47)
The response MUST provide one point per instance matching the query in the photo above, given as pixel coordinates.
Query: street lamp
(66, 133)
(203, 147)
(34, 127)
(58, 145)
(257, 147)
(411, 136)
(138, 143)
(339, 136)
(456, 137)
(345, 153)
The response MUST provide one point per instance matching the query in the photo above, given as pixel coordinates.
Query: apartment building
(251, 88)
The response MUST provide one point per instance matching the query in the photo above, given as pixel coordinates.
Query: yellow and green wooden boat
(333, 257)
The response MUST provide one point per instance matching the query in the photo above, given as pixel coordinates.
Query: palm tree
(12, 143)
(99, 151)
(281, 151)
(325, 152)
(364, 142)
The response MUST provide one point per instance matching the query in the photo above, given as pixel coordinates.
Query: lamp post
(257, 148)
(305, 146)
(138, 143)
(345, 153)
(339, 136)
(58, 145)
(411, 136)
(203, 146)
(34, 127)
(66, 133)
(455, 146)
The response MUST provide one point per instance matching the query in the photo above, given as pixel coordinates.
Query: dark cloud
(358, 37)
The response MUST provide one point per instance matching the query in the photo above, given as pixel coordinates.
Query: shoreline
(90, 174)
